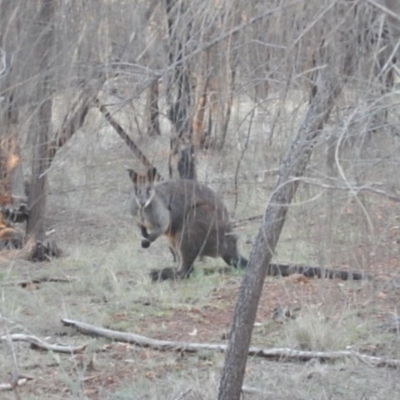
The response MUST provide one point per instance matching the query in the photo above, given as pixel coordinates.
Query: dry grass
(87, 209)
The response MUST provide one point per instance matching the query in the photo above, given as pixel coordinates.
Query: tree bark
(293, 166)
(229, 74)
(11, 179)
(37, 195)
(202, 99)
(180, 110)
(152, 110)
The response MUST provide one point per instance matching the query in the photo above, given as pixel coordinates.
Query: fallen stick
(27, 282)
(37, 343)
(280, 354)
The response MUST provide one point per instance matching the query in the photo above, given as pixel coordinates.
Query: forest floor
(110, 287)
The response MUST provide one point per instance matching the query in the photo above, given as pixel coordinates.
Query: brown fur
(191, 215)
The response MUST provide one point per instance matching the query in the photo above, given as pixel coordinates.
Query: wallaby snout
(141, 202)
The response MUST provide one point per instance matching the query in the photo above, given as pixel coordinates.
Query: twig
(242, 153)
(182, 395)
(355, 189)
(76, 116)
(280, 354)
(37, 343)
(14, 376)
(27, 282)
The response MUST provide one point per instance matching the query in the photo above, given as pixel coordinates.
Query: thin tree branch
(74, 119)
(354, 189)
(385, 9)
(14, 375)
(124, 136)
(238, 28)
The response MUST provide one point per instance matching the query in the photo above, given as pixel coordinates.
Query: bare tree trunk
(179, 113)
(11, 176)
(202, 98)
(227, 101)
(293, 166)
(228, 106)
(37, 193)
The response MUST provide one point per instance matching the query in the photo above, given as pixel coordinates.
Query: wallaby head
(143, 186)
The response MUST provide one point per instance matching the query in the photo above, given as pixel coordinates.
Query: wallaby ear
(151, 174)
(133, 175)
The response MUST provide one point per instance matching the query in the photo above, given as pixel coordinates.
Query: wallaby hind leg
(158, 275)
(189, 248)
(192, 241)
(187, 260)
(186, 267)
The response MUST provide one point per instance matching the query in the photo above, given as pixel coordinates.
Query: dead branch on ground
(40, 344)
(14, 375)
(26, 282)
(280, 354)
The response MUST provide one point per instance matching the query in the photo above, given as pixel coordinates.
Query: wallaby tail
(310, 272)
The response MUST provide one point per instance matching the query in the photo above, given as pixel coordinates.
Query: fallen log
(280, 354)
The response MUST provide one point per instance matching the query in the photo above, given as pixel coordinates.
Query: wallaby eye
(148, 191)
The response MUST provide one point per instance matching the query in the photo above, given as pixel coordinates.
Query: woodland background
(229, 93)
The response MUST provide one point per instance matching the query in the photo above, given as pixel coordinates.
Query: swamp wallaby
(191, 215)
(196, 222)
